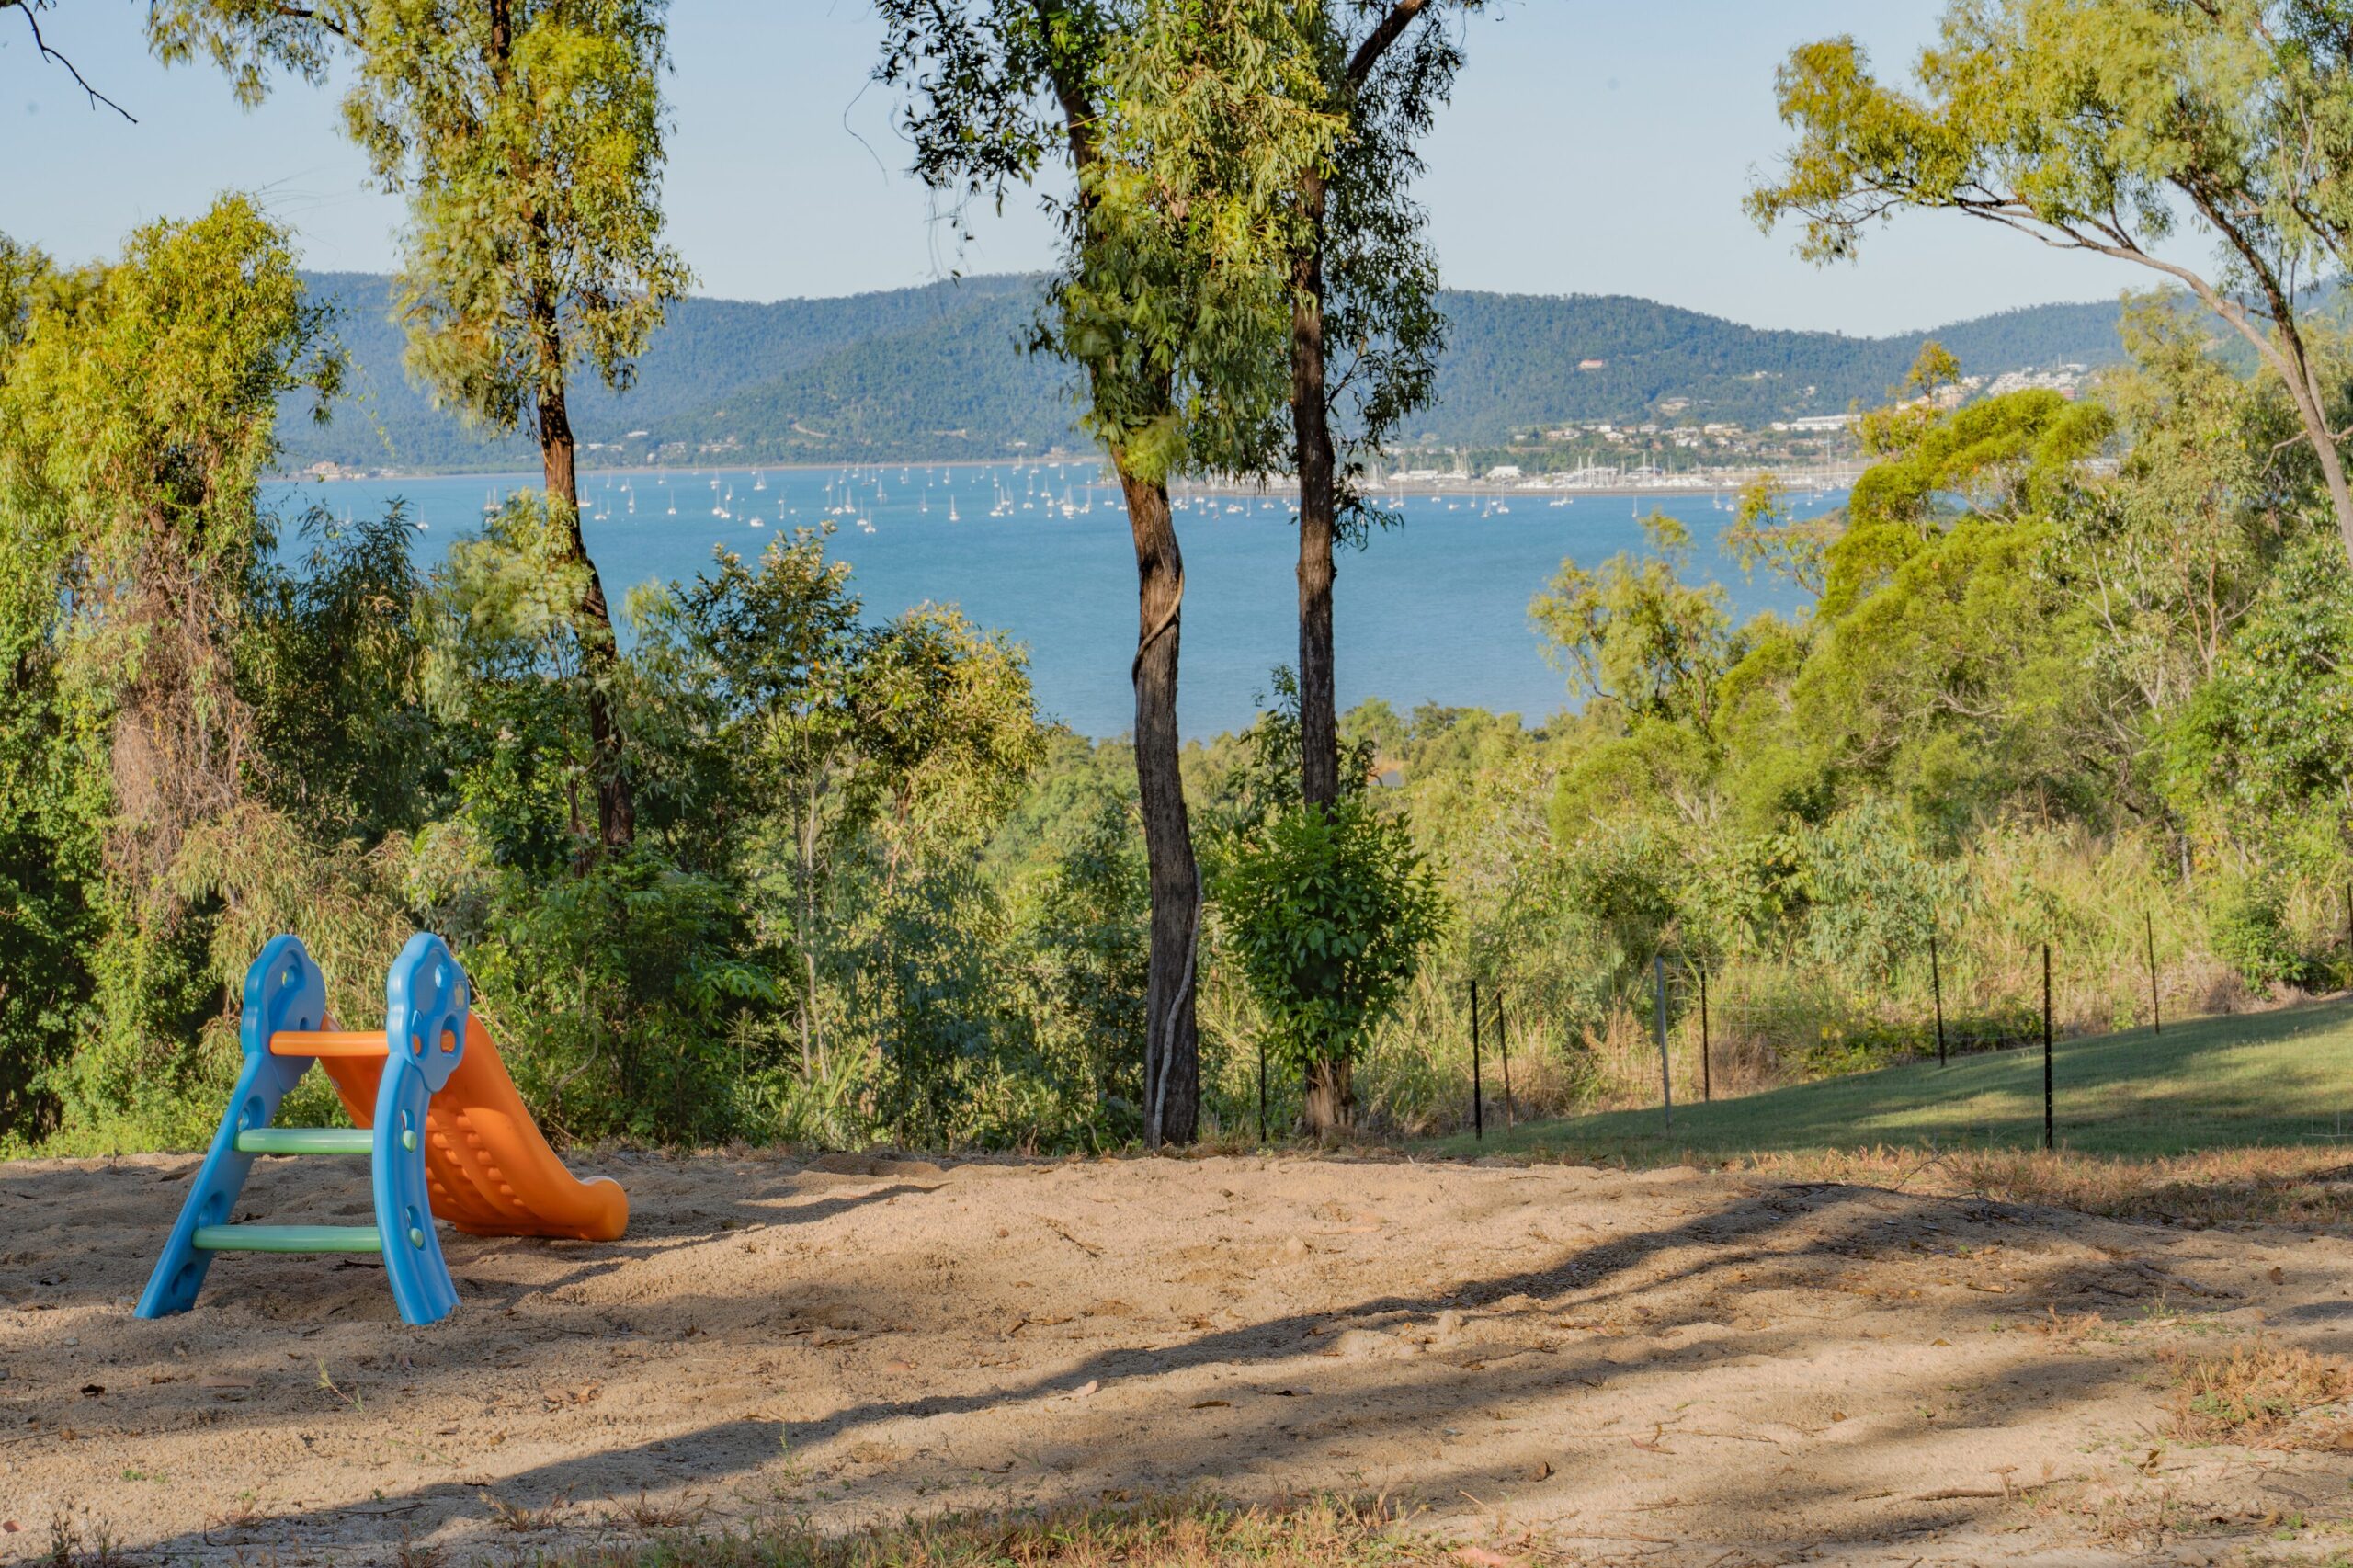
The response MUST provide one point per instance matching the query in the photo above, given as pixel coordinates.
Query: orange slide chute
(490, 1171)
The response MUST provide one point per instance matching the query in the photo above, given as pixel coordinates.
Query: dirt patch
(1666, 1367)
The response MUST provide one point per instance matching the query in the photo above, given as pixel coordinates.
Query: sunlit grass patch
(2182, 1105)
(2256, 1394)
(2307, 1187)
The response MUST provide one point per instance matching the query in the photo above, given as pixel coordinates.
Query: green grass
(2261, 1079)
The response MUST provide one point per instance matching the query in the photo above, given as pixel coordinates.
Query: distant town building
(2064, 379)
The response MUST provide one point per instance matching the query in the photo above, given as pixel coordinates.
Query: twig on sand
(1089, 1250)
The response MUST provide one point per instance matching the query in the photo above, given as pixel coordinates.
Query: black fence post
(1707, 1074)
(1262, 1091)
(1665, 1078)
(2049, 1142)
(1477, 1108)
(1503, 1044)
(2156, 1020)
(1936, 988)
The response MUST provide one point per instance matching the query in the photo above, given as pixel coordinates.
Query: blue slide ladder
(425, 998)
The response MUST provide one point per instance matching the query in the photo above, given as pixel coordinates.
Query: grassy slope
(2265, 1078)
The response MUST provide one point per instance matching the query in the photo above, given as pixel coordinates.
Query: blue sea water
(1434, 609)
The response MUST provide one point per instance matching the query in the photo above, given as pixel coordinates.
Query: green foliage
(1634, 635)
(1874, 900)
(2099, 126)
(1764, 534)
(2073, 673)
(528, 141)
(1329, 912)
(1086, 942)
(2261, 751)
(137, 404)
(2251, 932)
(625, 994)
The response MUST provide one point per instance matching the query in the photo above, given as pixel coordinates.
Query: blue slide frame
(426, 996)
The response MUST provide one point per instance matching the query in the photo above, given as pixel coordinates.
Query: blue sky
(1590, 149)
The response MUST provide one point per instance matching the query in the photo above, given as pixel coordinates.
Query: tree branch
(42, 44)
(1376, 42)
(304, 14)
(1079, 116)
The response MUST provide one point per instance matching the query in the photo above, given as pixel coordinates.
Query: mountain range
(941, 371)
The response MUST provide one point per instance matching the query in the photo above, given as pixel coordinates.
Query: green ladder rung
(306, 1140)
(287, 1238)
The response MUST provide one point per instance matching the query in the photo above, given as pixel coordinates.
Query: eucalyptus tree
(139, 401)
(526, 135)
(2099, 126)
(1181, 126)
(1363, 279)
(1364, 282)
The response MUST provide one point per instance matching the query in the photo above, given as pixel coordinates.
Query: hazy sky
(1590, 149)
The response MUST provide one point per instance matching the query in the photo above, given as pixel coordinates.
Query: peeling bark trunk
(616, 808)
(1172, 1041)
(1319, 761)
(1329, 1103)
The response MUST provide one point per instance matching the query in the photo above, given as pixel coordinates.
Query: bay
(1433, 610)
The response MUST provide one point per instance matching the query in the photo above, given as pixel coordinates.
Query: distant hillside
(1518, 360)
(940, 372)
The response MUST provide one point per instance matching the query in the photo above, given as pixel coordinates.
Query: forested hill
(940, 371)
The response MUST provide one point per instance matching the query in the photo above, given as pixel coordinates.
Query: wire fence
(1681, 997)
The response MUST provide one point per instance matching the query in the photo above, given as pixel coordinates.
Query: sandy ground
(1669, 1366)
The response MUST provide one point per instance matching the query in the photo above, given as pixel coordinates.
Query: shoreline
(1831, 477)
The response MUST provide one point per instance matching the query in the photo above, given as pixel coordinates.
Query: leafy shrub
(2251, 935)
(1087, 946)
(1328, 914)
(1874, 901)
(618, 992)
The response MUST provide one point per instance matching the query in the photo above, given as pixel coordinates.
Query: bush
(1328, 913)
(620, 998)
(2251, 935)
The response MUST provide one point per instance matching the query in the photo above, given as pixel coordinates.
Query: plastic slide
(444, 1134)
(488, 1169)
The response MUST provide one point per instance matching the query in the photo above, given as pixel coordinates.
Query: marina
(1433, 610)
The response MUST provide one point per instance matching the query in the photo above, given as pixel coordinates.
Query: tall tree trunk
(600, 654)
(1172, 1042)
(616, 809)
(1329, 1104)
(1319, 724)
(2312, 409)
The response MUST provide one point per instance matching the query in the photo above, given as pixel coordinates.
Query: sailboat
(951, 509)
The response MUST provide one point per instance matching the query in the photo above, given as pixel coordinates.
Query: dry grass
(1160, 1532)
(518, 1518)
(645, 1514)
(2307, 1187)
(2255, 1395)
